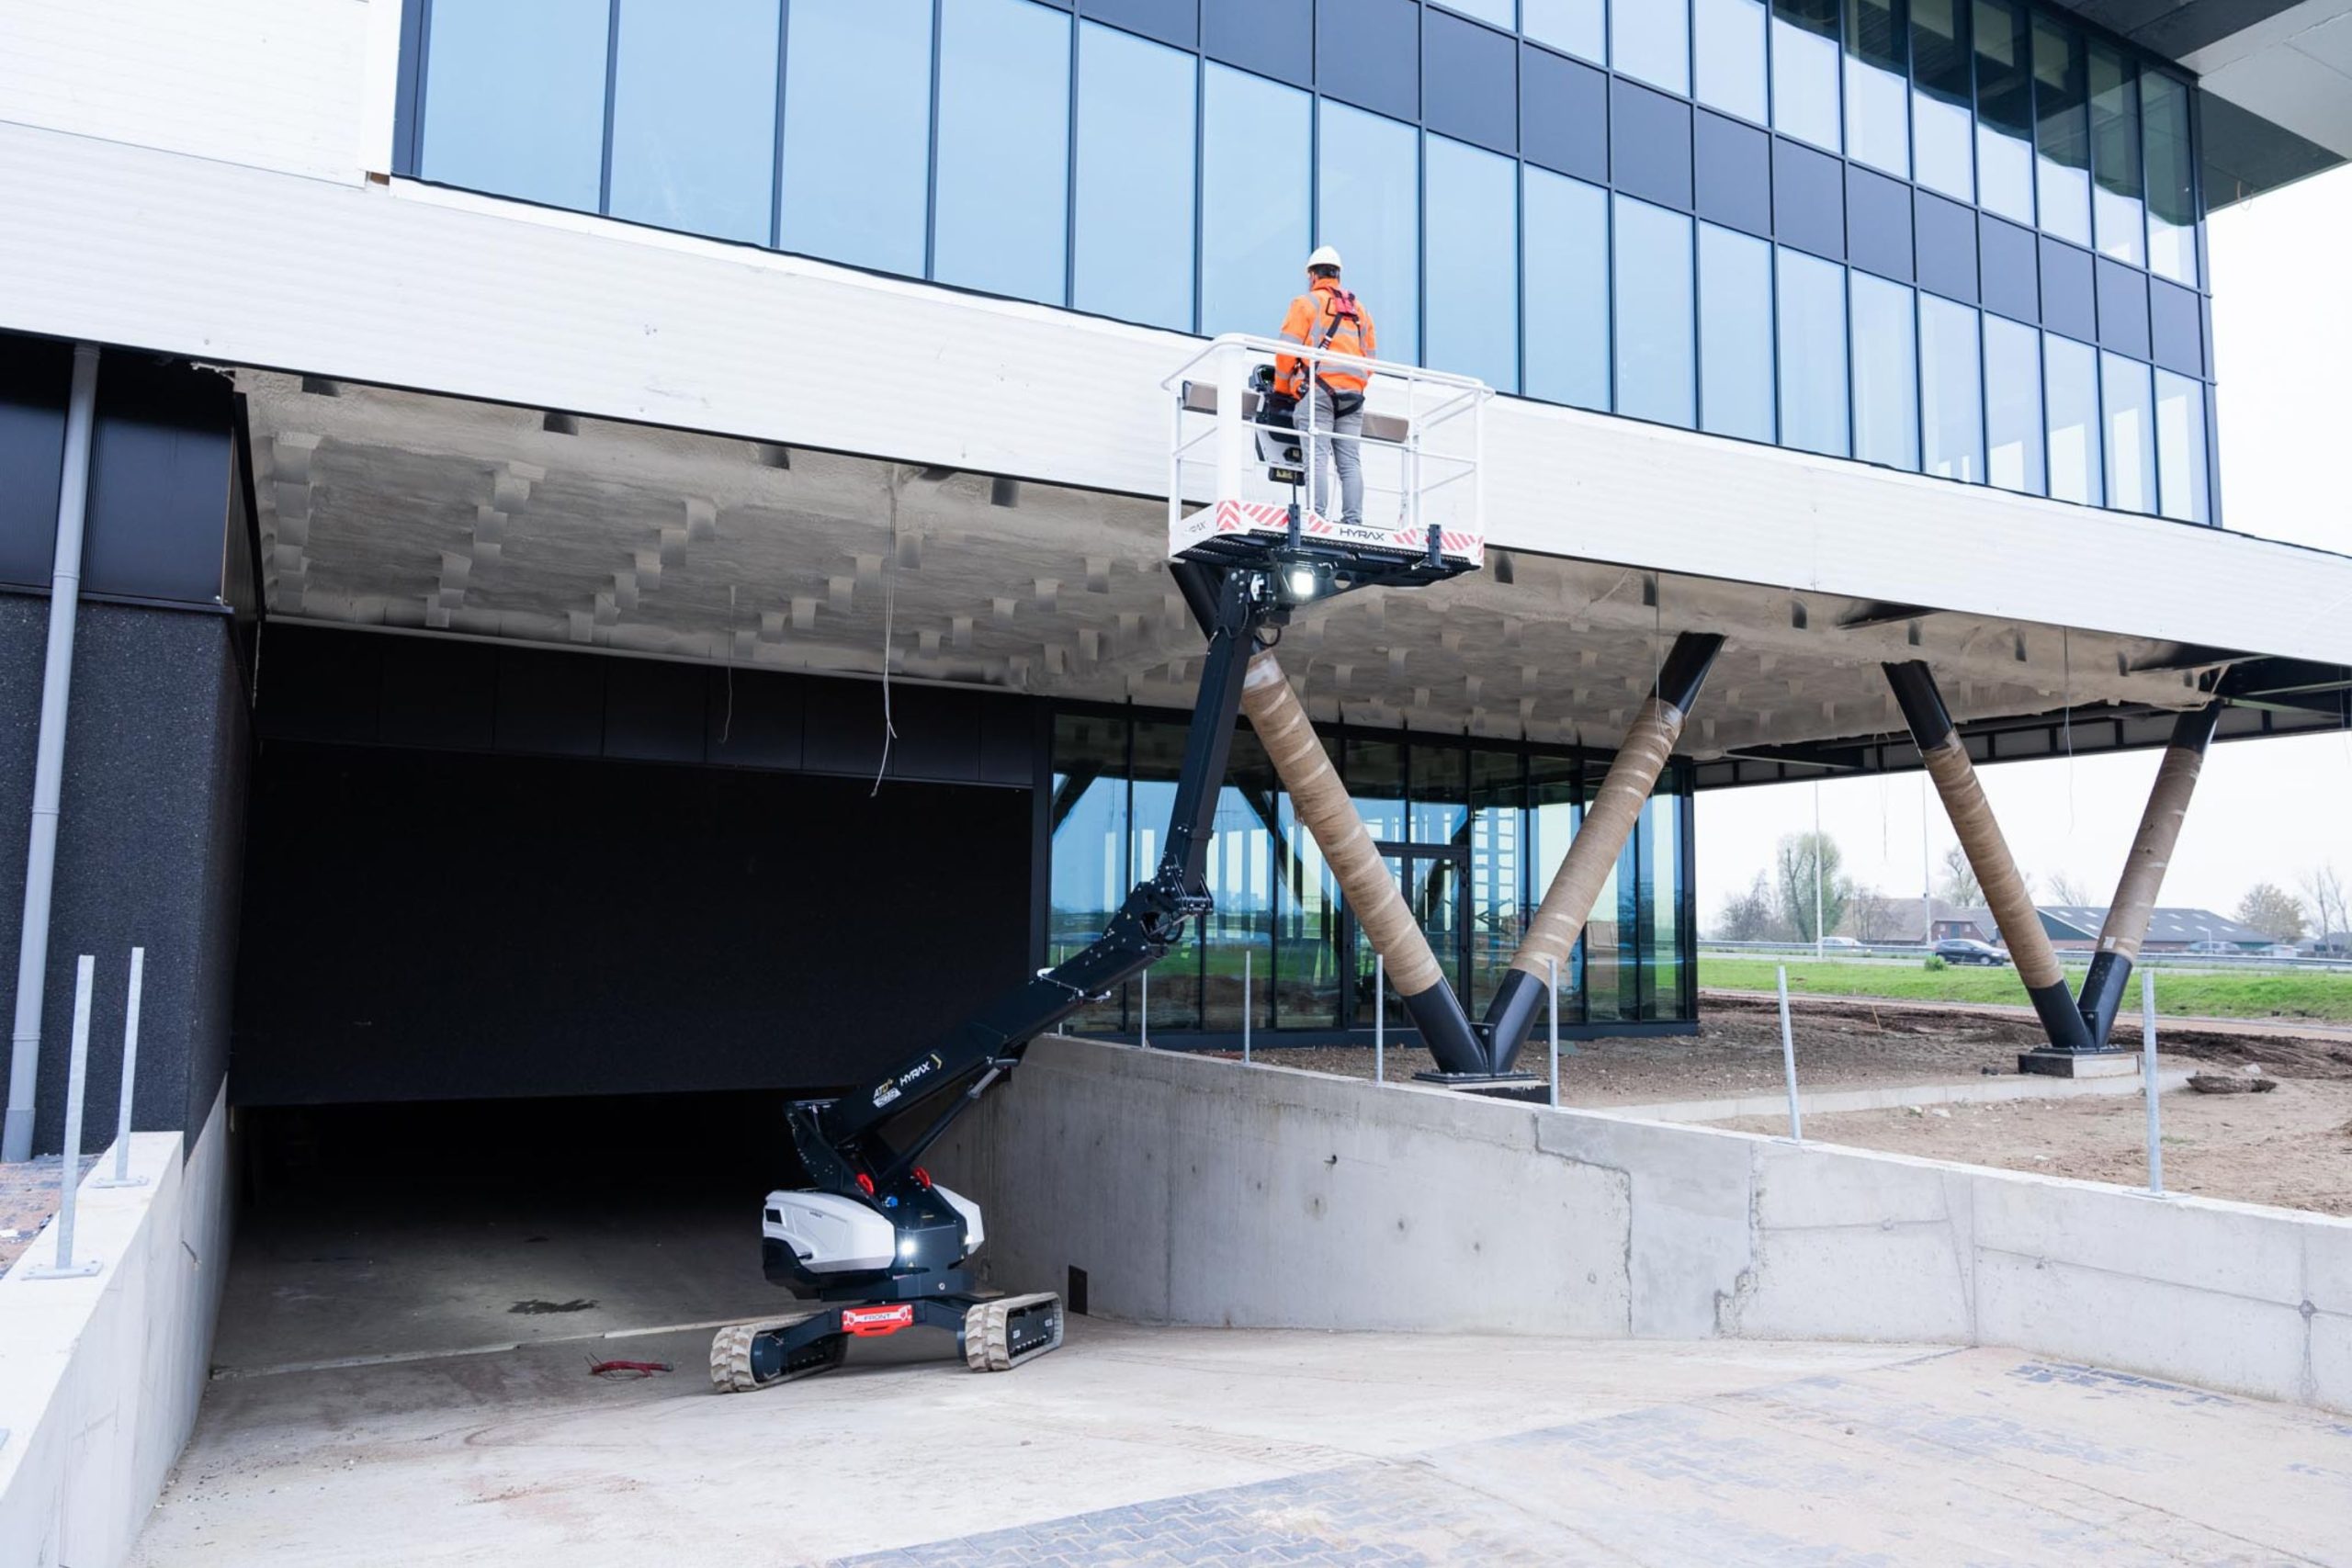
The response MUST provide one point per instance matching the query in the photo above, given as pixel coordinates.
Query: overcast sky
(2265, 810)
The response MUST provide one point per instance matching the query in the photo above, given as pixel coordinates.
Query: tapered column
(1946, 760)
(1379, 910)
(2144, 870)
(1552, 935)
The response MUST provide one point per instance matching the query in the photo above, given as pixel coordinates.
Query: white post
(1143, 1014)
(2148, 1081)
(122, 1177)
(1379, 1018)
(1232, 429)
(1789, 1059)
(1556, 1031)
(68, 1174)
(1246, 1007)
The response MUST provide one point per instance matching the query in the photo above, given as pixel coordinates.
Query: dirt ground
(2292, 1147)
(28, 1199)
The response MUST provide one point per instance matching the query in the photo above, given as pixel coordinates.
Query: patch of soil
(2291, 1148)
(28, 1200)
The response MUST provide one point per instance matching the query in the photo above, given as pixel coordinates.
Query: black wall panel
(36, 376)
(2175, 315)
(1470, 82)
(1650, 144)
(1946, 238)
(2010, 272)
(2122, 308)
(434, 925)
(1808, 199)
(1563, 114)
(1273, 38)
(2069, 303)
(159, 481)
(1368, 53)
(1733, 174)
(1878, 223)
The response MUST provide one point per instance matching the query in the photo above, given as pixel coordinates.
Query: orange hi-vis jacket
(1330, 317)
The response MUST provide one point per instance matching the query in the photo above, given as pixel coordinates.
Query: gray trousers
(1338, 434)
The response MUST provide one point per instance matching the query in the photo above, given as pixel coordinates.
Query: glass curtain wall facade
(1542, 192)
(1473, 830)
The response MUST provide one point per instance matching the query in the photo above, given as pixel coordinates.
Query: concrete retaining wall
(1196, 1191)
(99, 1377)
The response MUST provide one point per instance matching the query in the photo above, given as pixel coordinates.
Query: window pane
(1950, 405)
(1877, 97)
(1238, 870)
(1495, 11)
(514, 99)
(1662, 900)
(1255, 185)
(1003, 148)
(1729, 49)
(1090, 874)
(1175, 979)
(1940, 112)
(1886, 374)
(1735, 333)
(857, 131)
(1804, 70)
(1369, 209)
(2004, 109)
(1654, 330)
(693, 116)
(1133, 240)
(1305, 982)
(2062, 131)
(2127, 402)
(1651, 40)
(1574, 26)
(2013, 405)
(2122, 220)
(1567, 289)
(2180, 448)
(1811, 294)
(1473, 246)
(2172, 199)
(2070, 374)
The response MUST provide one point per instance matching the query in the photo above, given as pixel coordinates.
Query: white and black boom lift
(872, 1240)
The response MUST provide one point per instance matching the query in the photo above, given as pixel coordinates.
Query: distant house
(2334, 945)
(1895, 920)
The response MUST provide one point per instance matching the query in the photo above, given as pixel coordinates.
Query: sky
(2265, 810)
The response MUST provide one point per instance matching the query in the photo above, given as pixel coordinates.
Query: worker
(1327, 316)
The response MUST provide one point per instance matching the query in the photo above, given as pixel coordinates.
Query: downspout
(2144, 869)
(48, 765)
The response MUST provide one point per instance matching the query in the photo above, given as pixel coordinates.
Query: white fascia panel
(412, 286)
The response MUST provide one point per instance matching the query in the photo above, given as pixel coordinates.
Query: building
(2170, 930)
(526, 437)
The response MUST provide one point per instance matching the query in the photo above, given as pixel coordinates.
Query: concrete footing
(2080, 1064)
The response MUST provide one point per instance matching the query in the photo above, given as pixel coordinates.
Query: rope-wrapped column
(1379, 910)
(1552, 935)
(2144, 870)
(1945, 757)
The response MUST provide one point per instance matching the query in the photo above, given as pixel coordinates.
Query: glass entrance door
(1434, 879)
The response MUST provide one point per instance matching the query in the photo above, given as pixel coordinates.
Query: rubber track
(988, 1332)
(730, 1355)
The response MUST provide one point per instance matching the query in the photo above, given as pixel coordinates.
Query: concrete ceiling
(428, 514)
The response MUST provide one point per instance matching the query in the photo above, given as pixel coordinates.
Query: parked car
(1968, 950)
(2283, 950)
(1841, 942)
(2212, 948)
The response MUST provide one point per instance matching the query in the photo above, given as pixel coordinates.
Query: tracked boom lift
(873, 1241)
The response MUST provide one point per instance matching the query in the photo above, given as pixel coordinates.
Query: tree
(2324, 886)
(2272, 911)
(2066, 888)
(1871, 916)
(1959, 885)
(1752, 916)
(1801, 857)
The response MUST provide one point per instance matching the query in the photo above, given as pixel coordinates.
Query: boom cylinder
(1379, 907)
(2144, 870)
(1946, 760)
(1552, 935)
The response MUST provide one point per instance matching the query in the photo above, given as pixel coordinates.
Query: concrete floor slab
(1149, 1445)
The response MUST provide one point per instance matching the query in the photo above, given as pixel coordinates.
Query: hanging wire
(889, 618)
(727, 725)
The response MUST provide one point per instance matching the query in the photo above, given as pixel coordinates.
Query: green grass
(2324, 997)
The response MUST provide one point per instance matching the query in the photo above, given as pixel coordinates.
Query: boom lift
(872, 1240)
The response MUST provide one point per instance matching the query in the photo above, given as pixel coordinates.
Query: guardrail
(2076, 956)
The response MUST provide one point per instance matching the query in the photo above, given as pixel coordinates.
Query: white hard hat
(1324, 256)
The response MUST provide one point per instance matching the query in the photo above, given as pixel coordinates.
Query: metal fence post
(1246, 1006)
(1379, 1018)
(122, 1177)
(1555, 1033)
(1789, 1058)
(2148, 1081)
(68, 1174)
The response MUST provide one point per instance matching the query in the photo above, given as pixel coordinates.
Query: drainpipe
(48, 765)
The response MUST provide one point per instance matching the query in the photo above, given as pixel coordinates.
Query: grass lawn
(2322, 997)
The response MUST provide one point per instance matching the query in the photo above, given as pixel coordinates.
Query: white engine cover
(831, 1234)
